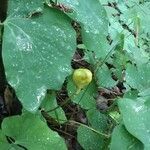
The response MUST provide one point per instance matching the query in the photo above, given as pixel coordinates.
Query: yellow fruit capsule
(82, 77)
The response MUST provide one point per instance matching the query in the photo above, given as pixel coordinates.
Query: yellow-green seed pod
(82, 77)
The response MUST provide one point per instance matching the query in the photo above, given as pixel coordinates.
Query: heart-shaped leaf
(136, 118)
(31, 132)
(37, 53)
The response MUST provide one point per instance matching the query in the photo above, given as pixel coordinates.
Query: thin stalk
(90, 128)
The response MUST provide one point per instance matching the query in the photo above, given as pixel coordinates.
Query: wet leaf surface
(94, 26)
(31, 132)
(37, 54)
(89, 139)
(136, 118)
(122, 139)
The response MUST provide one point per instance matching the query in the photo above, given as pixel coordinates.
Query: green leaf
(50, 103)
(139, 56)
(138, 77)
(29, 131)
(24, 8)
(131, 94)
(94, 23)
(145, 92)
(136, 118)
(92, 138)
(89, 140)
(97, 120)
(37, 53)
(3, 142)
(104, 78)
(115, 115)
(142, 11)
(122, 139)
(86, 97)
(120, 57)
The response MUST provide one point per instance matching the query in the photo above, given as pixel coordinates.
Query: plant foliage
(40, 40)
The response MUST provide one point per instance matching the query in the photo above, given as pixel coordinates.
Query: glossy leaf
(136, 118)
(89, 139)
(97, 120)
(37, 53)
(25, 7)
(94, 26)
(29, 131)
(121, 138)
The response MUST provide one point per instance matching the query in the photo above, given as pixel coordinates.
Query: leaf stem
(90, 128)
(65, 102)
(99, 64)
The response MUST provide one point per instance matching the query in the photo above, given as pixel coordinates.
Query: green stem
(90, 128)
(99, 64)
(64, 103)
